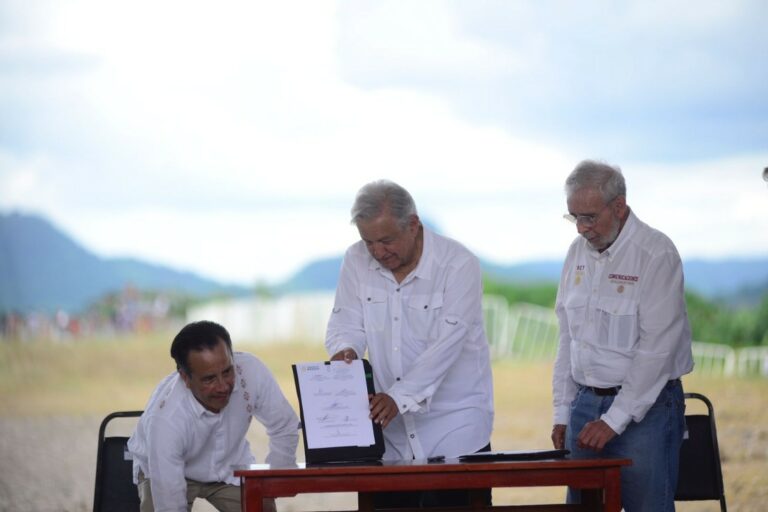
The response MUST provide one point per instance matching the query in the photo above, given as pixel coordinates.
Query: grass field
(54, 396)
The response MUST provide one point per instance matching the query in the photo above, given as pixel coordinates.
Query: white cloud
(230, 139)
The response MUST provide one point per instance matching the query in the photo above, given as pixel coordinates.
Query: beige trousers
(224, 497)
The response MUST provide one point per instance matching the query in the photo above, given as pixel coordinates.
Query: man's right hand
(558, 436)
(348, 355)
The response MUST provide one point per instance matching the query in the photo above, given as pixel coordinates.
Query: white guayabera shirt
(622, 322)
(177, 438)
(426, 343)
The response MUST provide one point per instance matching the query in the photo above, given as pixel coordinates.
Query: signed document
(334, 402)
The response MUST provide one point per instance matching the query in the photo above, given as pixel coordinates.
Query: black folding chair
(114, 489)
(700, 476)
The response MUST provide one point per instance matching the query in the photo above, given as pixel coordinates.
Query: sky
(230, 138)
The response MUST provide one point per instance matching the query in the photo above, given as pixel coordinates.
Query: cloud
(683, 78)
(230, 139)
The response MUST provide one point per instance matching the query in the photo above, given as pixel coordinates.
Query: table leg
(613, 490)
(592, 499)
(250, 497)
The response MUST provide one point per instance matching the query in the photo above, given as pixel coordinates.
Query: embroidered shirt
(177, 438)
(426, 343)
(623, 322)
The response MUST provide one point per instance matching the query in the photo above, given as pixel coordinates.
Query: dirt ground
(47, 460)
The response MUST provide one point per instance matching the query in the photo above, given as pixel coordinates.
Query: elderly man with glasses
(624, 341)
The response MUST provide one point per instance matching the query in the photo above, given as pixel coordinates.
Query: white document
(334, 400)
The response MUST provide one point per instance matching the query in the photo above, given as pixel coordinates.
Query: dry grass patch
(54, 395)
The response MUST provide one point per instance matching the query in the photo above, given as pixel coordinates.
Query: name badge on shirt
(579, 274)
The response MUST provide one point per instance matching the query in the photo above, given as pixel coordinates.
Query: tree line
(712, 320)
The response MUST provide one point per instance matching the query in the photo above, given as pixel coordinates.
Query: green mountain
(734, 280)
(42, 269)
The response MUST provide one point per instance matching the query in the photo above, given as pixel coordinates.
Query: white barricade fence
(522, 331)
(254, 320)
(531, 333)
(713, 359)
(752, 361)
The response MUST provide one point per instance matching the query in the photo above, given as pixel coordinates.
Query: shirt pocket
(617, 323)
(375, 308)
(424, 310)
(576, 311)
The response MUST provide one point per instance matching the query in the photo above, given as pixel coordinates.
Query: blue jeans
(649, 484)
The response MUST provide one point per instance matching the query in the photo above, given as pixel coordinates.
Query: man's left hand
(595, 435)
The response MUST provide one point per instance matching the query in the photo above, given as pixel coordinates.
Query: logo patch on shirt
(623, 279)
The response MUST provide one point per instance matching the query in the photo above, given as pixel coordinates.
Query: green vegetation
(711, 321)
(716, 322)
(540, 294)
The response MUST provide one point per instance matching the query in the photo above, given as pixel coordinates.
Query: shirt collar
(424, 268)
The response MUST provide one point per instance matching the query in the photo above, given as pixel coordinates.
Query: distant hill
(43, 269)
(732, 280)
(320, 274)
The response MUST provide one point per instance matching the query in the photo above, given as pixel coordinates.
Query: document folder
(514, 455)
(333, 405)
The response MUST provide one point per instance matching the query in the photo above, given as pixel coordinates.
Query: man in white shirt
(193, 429)
(413, 300)
(624, 341)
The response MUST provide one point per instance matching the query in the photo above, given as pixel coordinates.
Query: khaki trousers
(224, 497)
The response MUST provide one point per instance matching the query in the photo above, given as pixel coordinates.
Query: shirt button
(412, 436)
(395, 349)
(396, 319)
(398, 289)
(398, 379)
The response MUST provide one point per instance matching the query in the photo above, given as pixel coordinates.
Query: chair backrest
(700, 476)
(114, 488)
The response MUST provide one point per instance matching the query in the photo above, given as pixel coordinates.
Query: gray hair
(593, 174)
(376, 197)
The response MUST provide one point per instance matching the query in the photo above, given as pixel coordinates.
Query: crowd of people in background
(125, 312)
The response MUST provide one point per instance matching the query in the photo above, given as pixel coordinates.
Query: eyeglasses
(587, 220)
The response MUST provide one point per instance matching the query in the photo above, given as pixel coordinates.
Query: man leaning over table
(413, 300)
(624, 341)
(193, 429)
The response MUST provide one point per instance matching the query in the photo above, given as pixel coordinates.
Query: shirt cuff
(616, 419)
(406, 404)
(562, 415)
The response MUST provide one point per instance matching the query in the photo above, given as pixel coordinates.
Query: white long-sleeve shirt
(177, 438)
(622, 321)
(426, 344)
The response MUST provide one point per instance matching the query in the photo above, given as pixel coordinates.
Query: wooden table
(599, 480)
